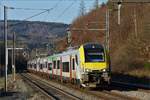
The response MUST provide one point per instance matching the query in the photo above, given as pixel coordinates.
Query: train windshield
(94, 55)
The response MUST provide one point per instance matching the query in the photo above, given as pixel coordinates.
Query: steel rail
(43, 83)
(106, 95)
(30, 82)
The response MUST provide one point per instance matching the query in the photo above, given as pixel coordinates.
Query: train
(86, 66)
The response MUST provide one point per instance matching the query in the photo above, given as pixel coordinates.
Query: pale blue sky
(53, 16)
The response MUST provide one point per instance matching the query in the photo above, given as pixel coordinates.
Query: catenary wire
(66, 9)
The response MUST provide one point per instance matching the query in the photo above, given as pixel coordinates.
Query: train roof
(71, 50)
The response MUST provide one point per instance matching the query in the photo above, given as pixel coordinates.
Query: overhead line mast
(5, 41)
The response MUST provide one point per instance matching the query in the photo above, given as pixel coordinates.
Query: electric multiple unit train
(87, 66)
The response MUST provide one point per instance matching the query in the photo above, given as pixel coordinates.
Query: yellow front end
(96, 72)
(95, 66)
(91, 65)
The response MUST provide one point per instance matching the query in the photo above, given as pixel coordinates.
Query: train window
(40, 66)
(58, 64)
(46, 64)
(76, 59)
(73, 64)
(50, 66)
(94, 55)
(54, 64)
(34, 66)
(65, 66)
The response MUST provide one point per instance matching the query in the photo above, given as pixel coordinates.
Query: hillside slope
(129, 41)
(34, 33)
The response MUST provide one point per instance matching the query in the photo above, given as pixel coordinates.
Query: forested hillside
(34, 33)
(129, 41)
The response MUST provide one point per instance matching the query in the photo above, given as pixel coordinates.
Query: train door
(73, 67)
(54, 68)
(58, 67)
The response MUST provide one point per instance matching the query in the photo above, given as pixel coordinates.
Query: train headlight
(87, 70)
(104, 70)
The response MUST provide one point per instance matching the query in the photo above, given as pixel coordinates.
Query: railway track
(50, 91)
(87, 94)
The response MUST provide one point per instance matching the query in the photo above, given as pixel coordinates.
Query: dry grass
(1, 83)
(140, 73)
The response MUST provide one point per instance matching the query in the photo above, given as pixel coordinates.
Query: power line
(45, 10)
(55, 6)
(26, 8)
(34, 8)
(66, 9)
(36, 14)
(30, 17)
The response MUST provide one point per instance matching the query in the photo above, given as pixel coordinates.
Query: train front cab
(94, 65)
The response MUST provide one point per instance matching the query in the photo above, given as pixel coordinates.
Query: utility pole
(6, 52)
(135, 23)
(82, 8)
(96, 5)
(107, 31)
(13, 58)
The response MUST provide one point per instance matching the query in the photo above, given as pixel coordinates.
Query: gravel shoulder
(141, 95)
(19, 90)
(138, 94)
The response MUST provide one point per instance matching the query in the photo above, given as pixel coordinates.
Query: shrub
(147, 65)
